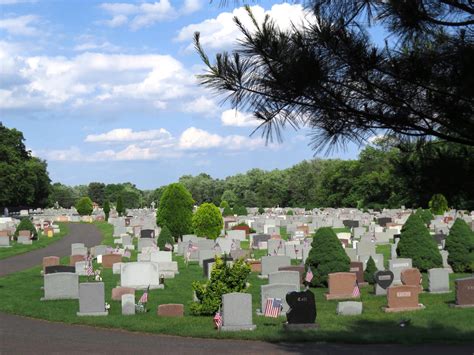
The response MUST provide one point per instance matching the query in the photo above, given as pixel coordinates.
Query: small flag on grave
(356, 291)
(273, 307)
(309, 275)
(218, 319)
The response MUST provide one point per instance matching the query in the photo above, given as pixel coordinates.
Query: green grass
(385, 250)
(438, 323)
(43, 241)
(341, 230)
(283, 233)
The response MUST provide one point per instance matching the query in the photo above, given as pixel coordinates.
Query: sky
(107, 91)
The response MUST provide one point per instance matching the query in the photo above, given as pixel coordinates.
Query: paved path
(78, 233)
(19, 335)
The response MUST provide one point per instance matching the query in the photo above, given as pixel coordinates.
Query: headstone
(81, 268)
(116, 267)
(239, 254)
(272, 263)
(140, 275)
(383, 280)
(170, 310)
(438, 280)
(205, 265)
(206, 254)
(358, 268)
(285, 277)
(99, 250)
(464, 292)
(108, 260)
(403, 298)
(301, 270)
(277, 291)
(118, 292)
(59, 268)
(341, 285)
(50, 261)
(161, 256)
(276, 247)
(302, 307)
(60, 286)
(397, 266)
(92, 299)
(411, 277)
(147, 233)
(73, 259)
(349, 308)
(79, 251)
(128, 304)
(237, 312)
(4, 241)
(145, 242)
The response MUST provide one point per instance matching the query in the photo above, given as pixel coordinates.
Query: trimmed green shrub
(120, 207)
(460, 245)
(438, 204)
(26, 225)
(207, 221)
(240, 210)
(224, 279)
(165, 237)
(176, 210)
(370, 270)
(261, 210)
(106, 209)
(227, 211)
(84, 206)
(416, 243)
(290, 213)
(326, 256)
(425, 215)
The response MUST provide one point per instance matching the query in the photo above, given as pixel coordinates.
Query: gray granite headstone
(277, 291)
(237, 312)
(438, 280)
(60, 286)
(128, 304)
(284, 277)
(397, 266)
(92, 299)
(272, 263)
(349, 308)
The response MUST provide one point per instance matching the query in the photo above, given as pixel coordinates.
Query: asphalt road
(78, 233)
(21, 335)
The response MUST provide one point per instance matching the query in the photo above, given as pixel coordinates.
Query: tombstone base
(339, 297)
(263, 277)
(300, 326)
(438, 292)
(79, 314)
(403, 309)
(461, 305)
(234, 328)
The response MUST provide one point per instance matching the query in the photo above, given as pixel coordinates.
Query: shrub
(240, 210)
(106, 209)
(460, 245)
(416, 243)
(207, 221)
(326, 256)
(438, 204)
(290, 213)
(261, 210)
(227, 211)
(224, 279)
(176, 210)
(26, 225)
(425, 215)
(84, 206)
(370, 270)
(164, 238)
(120, 208)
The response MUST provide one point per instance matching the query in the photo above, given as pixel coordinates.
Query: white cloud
(128, 135)
(195, 138)
(201, 105)
(238, 119)
(221, 32)
(191, 6)
(89, 43)
(138, 16)
(21, 25)
(13, 2)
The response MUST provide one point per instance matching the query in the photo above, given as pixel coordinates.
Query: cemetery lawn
(384, 249)
(20, 294)
(42, 242)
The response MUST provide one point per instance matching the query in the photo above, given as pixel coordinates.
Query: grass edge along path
(438, 323)
(42, 242)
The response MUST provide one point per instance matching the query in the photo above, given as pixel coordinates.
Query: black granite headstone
(302, 307)
(205, 265)
(382, 221)
(349, 223)
(147, 233)
(59, 268)
(259, 238)
(384, 278)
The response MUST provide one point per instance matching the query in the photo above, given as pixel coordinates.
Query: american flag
(218, 319)
(90, 268)
(144, 298)
(356, 291)
(273, 307)
(191, 248)
(309, 275)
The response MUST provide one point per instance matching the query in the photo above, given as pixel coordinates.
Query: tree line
(387, 174)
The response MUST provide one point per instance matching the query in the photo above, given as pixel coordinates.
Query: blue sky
(106, 91)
